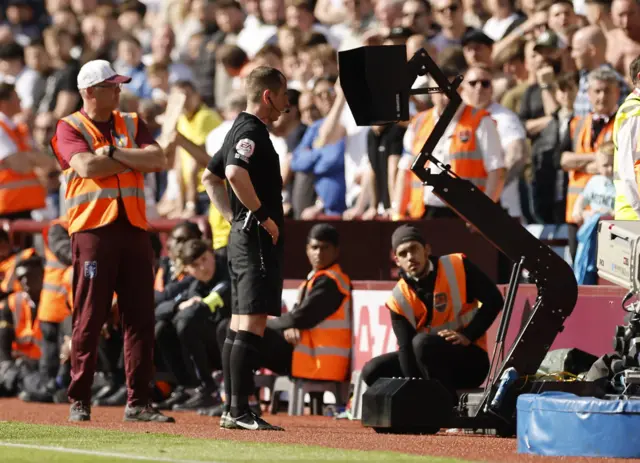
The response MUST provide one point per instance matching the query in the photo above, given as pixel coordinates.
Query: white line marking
(97, 453)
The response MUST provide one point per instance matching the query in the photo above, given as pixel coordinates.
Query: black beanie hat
(404, 234)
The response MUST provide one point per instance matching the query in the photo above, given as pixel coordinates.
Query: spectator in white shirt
(477, 91)
(487, 141)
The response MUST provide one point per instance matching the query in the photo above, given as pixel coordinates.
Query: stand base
(417, 406)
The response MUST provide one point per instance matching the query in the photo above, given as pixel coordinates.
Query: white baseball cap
(97, 71)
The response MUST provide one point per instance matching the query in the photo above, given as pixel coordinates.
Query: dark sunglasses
(483, 83)
(450, 9)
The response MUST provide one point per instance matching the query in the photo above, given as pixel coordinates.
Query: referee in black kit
(253, 205)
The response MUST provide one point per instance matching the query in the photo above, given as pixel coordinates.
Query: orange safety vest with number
(451, 311)
(53, 298)
(8, 266)
(580, 128)
(19, 192)
(93, 202)
(324, 351)
(27, 329)
(465, 157)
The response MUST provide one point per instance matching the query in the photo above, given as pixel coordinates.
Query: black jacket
(220, 283)
(323, 299)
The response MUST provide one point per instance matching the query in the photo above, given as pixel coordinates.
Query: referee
(253, 205)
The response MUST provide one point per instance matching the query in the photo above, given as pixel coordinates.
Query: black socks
(243, 359)
(226, 367)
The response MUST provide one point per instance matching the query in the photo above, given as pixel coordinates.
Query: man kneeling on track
(313, 340)
(194, 317)
(437, 318)
(20, 330)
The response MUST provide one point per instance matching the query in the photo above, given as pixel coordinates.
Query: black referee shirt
(248, 145)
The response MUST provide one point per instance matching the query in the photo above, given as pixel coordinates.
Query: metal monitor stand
(553, 277)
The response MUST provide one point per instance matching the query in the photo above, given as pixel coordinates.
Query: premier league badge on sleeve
(244, 149)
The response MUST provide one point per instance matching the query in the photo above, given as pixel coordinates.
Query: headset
(284, 111)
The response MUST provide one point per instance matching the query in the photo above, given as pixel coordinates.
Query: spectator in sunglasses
(450, 15)
(477, 91)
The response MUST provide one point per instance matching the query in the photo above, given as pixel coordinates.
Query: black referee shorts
(254, 290)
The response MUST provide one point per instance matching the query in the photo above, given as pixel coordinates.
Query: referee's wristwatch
(112, 149)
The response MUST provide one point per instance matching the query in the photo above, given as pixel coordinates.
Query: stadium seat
(297, 388)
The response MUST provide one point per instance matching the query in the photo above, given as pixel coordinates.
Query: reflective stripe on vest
(316, 351)
(629, 108)
(107, 193)
(55, 288)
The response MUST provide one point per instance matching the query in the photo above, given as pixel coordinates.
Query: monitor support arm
(553, 277)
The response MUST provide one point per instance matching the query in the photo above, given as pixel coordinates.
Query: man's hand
(65, 350)
(292, 335)
(272, 229)
(189, 302)
(103, 151)
(545, 75)
(454, 337)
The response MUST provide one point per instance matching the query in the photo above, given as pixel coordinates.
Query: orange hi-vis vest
(93, 202)
(19, 192)
(450, 308)
(324, 351)
(465, 157)
(53, 298)
(8, 266)
(580, 128)
(27, 329)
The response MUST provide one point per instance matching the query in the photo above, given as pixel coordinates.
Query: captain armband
(213, 301)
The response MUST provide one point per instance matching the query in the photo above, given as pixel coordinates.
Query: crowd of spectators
(530, 64)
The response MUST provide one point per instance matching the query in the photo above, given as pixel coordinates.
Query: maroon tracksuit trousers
(117, 257)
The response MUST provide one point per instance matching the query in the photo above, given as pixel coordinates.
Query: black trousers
(197, 341)
(454, 366)
(50, 349)
(111, 355)
(276, 354)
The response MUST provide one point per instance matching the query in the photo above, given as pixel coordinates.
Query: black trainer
(202, 398)
(226, 422)
(251, 422)
(177, 397)
(217, 410)
(117, 399)
(79, 412)
(145, 414)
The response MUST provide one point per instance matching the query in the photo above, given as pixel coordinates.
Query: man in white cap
(104, 154)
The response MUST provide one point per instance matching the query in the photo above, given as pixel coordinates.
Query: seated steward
(437, 318)
(20, 333)
(315, 337)
(9, 259)
(53, 308)
(194, 317)
(170, 278)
